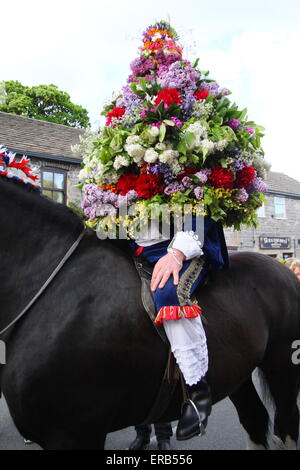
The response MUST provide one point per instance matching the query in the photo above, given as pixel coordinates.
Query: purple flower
(109, 198)
(212, 87)
(187, 182)
(199, 192)
(176, 121)
(224, 91)
(239, 165)
(202, 176)
(250, 130)
(141, 66)
(130, 101)
(233, 123)
(173, 188)
(166, 58)
(258, 185)
(161, 169)
(105, 209)
(180, 75)
(187, 106)
(242, 195)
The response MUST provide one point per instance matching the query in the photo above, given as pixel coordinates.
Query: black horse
(86, 360)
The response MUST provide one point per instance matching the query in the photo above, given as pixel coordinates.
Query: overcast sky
(85, 47)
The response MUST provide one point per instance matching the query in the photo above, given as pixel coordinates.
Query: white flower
(150, 156)
(154, 131)
(168, 156)
(120, 161)
(208, 145)
(136, 151)
(199, 132)
(132, 139)
(84, 173)
(176, 168)
(221, 145)
(160, 146)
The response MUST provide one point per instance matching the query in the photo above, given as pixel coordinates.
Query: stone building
(48, 145)
(278, 234)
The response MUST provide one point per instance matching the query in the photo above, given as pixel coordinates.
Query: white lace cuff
(188, 243)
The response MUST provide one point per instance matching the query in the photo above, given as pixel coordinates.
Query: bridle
(46, 284)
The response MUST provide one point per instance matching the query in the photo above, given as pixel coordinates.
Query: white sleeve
(188, 243)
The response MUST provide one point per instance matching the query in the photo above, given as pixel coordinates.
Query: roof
(282, 184)
(38, 138)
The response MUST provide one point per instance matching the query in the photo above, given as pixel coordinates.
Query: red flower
(168, 96)
(187, 172)
(201, 95)
(114, 113)
(148, 185)
(244, 177)
(125, 183)
(221, 178)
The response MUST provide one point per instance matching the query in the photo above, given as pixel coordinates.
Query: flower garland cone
(172, 136)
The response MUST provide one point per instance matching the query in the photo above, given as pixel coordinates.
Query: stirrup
(202, 424)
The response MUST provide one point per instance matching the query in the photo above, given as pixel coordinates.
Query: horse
(86, 360)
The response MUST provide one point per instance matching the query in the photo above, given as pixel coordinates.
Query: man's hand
(165, 267)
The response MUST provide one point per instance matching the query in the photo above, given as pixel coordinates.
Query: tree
(44, 102)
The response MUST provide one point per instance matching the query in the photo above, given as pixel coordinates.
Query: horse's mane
(59, 212)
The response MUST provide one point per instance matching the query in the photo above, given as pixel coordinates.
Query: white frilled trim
(188, 344)
(188, 243)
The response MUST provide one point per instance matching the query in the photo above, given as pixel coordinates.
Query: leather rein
(46, 284)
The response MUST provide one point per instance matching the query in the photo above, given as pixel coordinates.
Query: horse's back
(247, 308)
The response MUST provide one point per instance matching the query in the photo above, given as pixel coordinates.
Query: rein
(46, 284)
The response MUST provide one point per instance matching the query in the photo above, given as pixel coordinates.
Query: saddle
(172, 372)
(145, 270)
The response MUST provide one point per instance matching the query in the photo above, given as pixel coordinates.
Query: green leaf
(162, 132)
(133, 86)
(195, 158)
(169, 123)
(243, 114)
(195, 63)
(223, 163)
(181, 147)
(189, 139)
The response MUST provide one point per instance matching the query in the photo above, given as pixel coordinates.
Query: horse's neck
(33, 239)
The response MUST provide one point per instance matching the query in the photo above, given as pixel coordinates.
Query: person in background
(289, 261)
(163, 432)
(295, 267)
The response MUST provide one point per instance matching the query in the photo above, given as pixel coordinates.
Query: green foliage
(75, 207)
(44, 102)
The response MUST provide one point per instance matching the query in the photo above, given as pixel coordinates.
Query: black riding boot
(195, 411)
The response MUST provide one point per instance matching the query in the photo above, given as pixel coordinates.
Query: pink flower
(233, 123)
(250, 130)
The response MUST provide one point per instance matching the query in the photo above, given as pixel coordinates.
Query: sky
(85, 48)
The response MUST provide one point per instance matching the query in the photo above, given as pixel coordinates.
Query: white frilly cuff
(188, 243)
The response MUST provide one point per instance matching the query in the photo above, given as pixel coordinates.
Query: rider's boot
(195, 411)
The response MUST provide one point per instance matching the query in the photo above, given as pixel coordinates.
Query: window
(261, 211)
(279, 203)
(54, 184)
